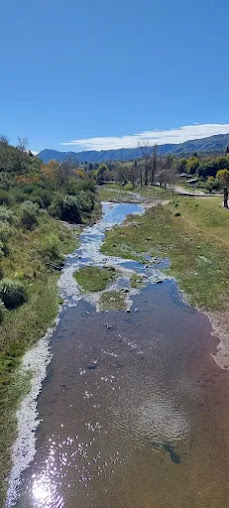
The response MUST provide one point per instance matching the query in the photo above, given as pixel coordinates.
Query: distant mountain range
(211, 145)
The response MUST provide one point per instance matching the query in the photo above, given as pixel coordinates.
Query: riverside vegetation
(192, 233)
(35, 199)
(93, 278)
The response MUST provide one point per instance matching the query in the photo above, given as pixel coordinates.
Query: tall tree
(154, 164)
(222, 176)
(147, 160)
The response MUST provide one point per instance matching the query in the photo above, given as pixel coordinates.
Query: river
(134, 411)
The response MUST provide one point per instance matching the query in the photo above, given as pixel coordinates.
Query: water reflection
(128, 407)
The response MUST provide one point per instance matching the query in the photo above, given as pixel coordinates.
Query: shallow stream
(134, 411)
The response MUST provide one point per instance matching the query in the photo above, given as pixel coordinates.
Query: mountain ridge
(211, 145)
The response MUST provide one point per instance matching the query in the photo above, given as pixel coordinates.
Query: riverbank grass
(32, 256)
(122, 194)
(93, 278)
(195, 240)
(136, 281)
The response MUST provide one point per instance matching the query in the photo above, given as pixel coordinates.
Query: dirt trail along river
(134, 411)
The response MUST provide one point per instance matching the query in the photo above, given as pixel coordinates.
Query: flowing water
(134, 410)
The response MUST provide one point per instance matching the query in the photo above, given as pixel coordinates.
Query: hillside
(212, 145)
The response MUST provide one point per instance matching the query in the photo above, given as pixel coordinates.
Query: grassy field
(93, 278)
(193, 233)
(27, 262)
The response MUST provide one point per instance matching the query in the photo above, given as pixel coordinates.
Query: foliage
(13, 293)
(85, 201)
(211, 184)
(129, 187)
(5, 198)
(51, 247)
(222, 176)
(182, 165)
(6, 231)
(1, 314)
(6, 214)
(29, 214)
(66, 208)
(100, 174)
(192, 165)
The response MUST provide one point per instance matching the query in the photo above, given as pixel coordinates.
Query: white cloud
(34, 152)
(158, 137)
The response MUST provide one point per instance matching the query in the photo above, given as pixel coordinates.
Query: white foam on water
(35, 361)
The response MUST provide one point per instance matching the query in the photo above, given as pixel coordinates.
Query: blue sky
(82, 70)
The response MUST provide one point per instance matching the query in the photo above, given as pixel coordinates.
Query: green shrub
(129, 186)
(6, 181)
(6, 214)
(13, 293)
(84, 201)
(28, 189)
(177, 214)
(19, 195)
(2, 250)
(66, 208)
(34, 198)
(55, 208)
(50, 247)
(5, 198)
(46, 196)
(75, 186)
(1, 315)
(70, 210)
(29, 214)
(6, 231)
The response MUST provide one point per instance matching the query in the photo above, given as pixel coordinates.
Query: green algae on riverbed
(93, 278)
(136, 281)
(112, 300)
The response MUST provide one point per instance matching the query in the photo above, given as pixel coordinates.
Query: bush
(66, 208)
(1, 315)
(85, 201)
(75, 186)
(70, 210)
(2, 250)
(56, 206)
(42, 197)
(6, 231)
(50, 247)
(5, 198)
(13, 293)
(6, 214)
(19, 195)
(6, 181)
(29, 214)
(129, 186)
(28, 189)
(34, 198)
(177, 214)
(46, 196)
